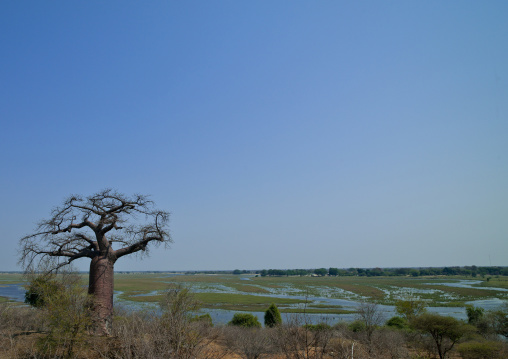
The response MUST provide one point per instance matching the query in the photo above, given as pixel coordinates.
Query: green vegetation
(233, 292)
(486, 349)
(410, 308)
(272, 316)
(446, 331)
(397, 322)
(245, 320)
(11, 278)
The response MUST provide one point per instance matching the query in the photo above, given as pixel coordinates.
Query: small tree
(474, 314)
(370, 316)
(410, 308)
(499, 320)
(321, 272)
(272, 316)
(182, 334)
(246, 320)
(446, 331)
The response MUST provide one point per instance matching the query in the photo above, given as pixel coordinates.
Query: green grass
(247, 288)
(241, 302)
(317, 311)
(11, 278)
(497, 282)
(139, 283)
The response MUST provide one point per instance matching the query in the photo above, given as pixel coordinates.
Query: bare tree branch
(89, 226)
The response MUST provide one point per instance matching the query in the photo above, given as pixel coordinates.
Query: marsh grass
(248, 288)
(232, 292)
(497, 282)
(11, 278)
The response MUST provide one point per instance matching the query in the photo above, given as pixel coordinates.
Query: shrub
(204, 318)
(319, 326)
(480, 350)
(396, 322)
(66, 311)
(272, 316)
(357, 326)
(246, 320)
(40, 289)
(248, 343)
(474, 314)
(410, 308)
(445, 331)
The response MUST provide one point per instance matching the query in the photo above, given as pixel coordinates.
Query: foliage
(333, 271)
(357, 326)
(474, 314)
(480, 350)
(499, 320)
(410, 308)
(318, 326)
(40, 289)
(321, 272)
(397, 322)
(493, 322)
(445, 331)
(272, 316)
(245, 320)
(66, 312)
(204, 318)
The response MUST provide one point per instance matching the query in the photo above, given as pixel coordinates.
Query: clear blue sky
(279, 134)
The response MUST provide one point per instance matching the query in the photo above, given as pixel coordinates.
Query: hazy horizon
(278, 134)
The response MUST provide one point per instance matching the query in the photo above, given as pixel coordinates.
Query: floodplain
(327, 294)
(293, 294)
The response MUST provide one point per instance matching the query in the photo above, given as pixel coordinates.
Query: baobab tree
(90, 227)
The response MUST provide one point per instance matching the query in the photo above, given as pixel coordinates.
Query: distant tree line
(471, 271)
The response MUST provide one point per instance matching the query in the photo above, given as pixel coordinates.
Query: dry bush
(344, 348)
(147, 335)
(249, 343)
(388, 343)
(297, 339)
(16, 322)
(174, 334)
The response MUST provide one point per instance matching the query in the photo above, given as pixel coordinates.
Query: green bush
(41, 288)
(317, 327)
(66, 311)
(474, 314)
(272, 316)
(397, 322)
(480, 350)
(357, 326)
(245, 320)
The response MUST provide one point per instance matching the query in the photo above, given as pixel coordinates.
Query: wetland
(333, 298)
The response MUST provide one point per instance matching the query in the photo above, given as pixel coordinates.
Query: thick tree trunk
(100, 286)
